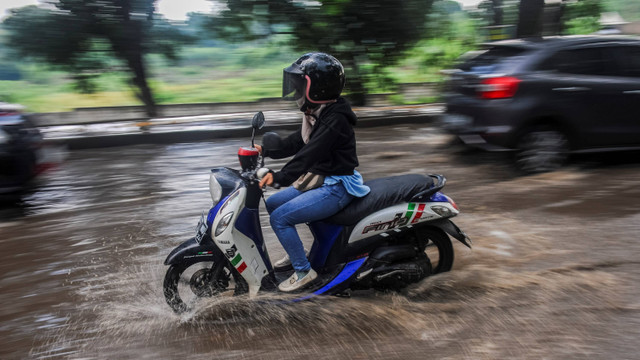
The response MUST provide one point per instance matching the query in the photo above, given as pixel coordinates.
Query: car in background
(20, 145)
(545, 99)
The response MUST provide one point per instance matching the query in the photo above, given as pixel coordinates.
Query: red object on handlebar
(245, 151)
(248, 157)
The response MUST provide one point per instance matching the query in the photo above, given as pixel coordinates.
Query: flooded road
(553, 273)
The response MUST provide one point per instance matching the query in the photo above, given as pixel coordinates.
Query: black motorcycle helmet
(319, 77)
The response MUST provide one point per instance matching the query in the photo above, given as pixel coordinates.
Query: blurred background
(553, 272)
(61, 55)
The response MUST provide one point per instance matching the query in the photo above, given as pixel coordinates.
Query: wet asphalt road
(553, 273)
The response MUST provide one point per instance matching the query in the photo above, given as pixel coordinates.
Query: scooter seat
(385, 192)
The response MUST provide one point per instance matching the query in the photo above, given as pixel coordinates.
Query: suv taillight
(498, 87)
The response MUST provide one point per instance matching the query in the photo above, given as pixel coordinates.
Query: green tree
(582, 17)
(365, 35)
(491, 11)
(536, 18)
(441, 21)
(499, 18)
(83, 37)
(628, 9)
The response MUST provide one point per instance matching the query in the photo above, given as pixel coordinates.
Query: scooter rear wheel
(184, 285)
(439, 249)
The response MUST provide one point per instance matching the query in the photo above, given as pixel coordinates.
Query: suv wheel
(541, 149)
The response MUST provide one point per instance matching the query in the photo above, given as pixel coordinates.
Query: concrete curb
(138, 136)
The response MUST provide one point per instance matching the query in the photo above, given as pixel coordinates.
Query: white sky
(9, 4)
(171, 9)
(178, 9)
(467, 3)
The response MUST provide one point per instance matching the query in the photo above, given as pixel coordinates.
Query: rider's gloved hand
(260, 173)
(266, 177)
(267, 180)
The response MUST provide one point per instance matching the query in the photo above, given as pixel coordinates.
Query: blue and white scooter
(394, 236)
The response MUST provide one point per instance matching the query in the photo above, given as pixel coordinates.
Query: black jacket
(331, 149)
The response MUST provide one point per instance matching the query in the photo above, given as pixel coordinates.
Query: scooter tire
(437, 238)
(173, 277)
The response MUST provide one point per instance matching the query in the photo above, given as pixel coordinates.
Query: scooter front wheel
(185, 284)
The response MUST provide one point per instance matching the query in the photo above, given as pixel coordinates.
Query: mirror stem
(253, 135)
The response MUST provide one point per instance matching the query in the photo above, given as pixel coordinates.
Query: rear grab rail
(438, 183)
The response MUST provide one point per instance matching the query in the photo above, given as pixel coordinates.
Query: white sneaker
(285, 262)
(293, 283)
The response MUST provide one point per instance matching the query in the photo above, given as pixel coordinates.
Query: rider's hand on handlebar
(259, 147)
(267, 180)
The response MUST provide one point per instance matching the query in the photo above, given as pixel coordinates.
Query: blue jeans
(291, 206)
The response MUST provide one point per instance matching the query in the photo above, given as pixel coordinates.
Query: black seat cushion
(385, 192)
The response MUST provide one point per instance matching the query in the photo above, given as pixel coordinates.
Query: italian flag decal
(410, 211)
(238, 263)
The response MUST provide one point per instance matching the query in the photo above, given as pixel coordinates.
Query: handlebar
(262, 172)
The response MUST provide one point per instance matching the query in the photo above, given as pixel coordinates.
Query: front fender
(191, 252)
(450, 228)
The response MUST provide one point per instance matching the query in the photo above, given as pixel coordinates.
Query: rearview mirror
(258, 120)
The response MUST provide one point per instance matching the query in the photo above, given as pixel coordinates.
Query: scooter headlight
(215, 188)
(224, 223)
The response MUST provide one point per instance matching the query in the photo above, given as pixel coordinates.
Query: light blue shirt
(352, 183)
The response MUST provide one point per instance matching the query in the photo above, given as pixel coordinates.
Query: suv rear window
(490, 60)
(583, 61)
(630, 58)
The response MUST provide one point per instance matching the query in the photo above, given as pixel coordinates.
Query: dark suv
(548, 98)
(20, 144)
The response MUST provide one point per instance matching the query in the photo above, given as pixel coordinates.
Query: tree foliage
(365, 35)
(535, 18)
(84, 37)
(440, 20)
(492, 11)
(499, 18)
(628, 9)
(582, 17)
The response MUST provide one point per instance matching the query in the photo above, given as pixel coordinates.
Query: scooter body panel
(395, 217)
(242, 251)
(324, 236)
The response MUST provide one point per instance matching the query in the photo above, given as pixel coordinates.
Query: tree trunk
(357, 92)
(496, 6)
(530, 18)
(127, 40)
(139, 80)
(552, 19)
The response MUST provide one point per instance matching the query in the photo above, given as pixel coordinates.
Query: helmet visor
(292, 85)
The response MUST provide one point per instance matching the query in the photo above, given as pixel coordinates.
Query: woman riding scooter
(322, 170)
